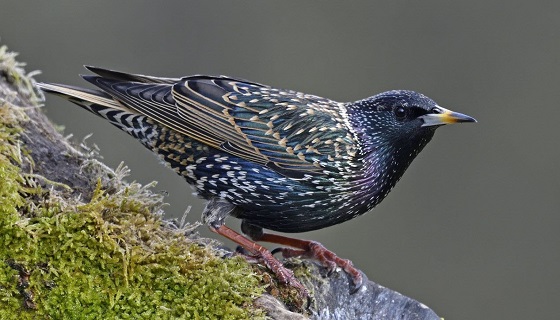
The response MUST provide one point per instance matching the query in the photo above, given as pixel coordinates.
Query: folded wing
(290, 132)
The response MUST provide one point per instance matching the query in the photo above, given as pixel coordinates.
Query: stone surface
(334, 301)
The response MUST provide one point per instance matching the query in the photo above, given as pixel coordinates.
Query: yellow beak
(444, 116)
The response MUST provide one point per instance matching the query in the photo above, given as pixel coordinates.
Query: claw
(315, 250)
(357, 282)
(284, 275)
(331, 267)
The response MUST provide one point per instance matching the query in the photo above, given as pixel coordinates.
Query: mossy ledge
(108, 257)
(77, 242)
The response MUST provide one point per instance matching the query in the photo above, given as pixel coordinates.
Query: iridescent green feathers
(290, 132)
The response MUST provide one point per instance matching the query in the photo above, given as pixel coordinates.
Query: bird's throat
(383, 167)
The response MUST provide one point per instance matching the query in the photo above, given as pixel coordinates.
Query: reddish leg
(284, 275)
(314, 250)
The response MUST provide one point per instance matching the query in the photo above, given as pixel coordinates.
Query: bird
(277, 159)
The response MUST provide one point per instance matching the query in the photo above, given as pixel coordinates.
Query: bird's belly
(273, 201)
(268, 199)
(291, 218)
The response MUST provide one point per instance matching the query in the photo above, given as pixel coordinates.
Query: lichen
(109, 258)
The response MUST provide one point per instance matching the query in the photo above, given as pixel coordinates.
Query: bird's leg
(306, 249)
(214, 215)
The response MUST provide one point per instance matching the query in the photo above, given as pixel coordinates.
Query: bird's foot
(307, 249)
(283, 274)
(259, 253)
(315, 250)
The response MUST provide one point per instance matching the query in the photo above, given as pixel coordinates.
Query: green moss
(107, 259)
(9, 173)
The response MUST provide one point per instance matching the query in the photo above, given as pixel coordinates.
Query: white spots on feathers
(294, 120)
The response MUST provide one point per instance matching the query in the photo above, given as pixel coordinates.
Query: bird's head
(399, 120)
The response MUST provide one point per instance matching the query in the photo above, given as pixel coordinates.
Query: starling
(276, 159)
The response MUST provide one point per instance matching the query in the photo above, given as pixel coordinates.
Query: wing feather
(290, 132)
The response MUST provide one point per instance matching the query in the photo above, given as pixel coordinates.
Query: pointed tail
(105, 106)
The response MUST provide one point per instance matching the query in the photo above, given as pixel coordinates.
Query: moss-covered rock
(109, 258)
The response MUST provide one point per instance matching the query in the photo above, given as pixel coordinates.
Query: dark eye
(400, 113)
(436, 110)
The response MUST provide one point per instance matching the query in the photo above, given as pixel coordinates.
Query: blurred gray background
(472, 230)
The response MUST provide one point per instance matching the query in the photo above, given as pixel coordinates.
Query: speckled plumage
(286, 160)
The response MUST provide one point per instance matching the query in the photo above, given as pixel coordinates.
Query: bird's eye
(436, 110)
(400, 113)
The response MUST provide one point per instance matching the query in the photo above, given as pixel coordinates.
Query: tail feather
(86, 98)
(103, 105)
